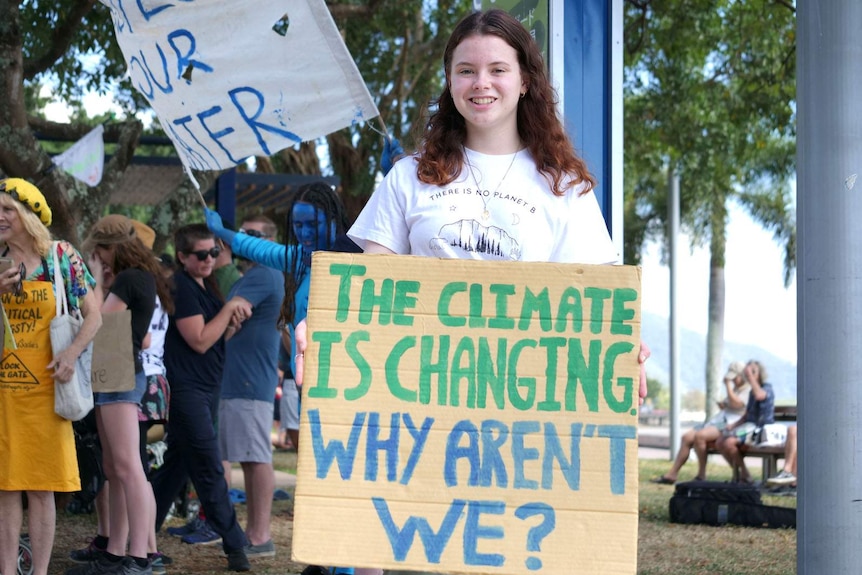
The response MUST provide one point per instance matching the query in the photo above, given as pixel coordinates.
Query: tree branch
(60, 40)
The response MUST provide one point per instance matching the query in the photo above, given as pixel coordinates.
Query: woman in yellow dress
(37, 447)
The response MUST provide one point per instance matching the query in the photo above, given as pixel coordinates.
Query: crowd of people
(494, 131)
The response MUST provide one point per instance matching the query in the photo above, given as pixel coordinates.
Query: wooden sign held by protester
(113, 359)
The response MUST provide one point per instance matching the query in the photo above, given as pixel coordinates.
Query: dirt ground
(75, 531)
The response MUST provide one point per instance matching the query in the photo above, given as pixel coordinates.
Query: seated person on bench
(787, 476)
(759, 412)
(731, 408)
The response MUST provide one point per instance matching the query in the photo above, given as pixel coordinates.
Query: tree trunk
(715, 325)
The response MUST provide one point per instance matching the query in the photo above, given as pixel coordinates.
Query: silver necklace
(485, 194)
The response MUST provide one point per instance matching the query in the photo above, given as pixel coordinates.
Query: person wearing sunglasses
(248, 388)
(38, 455)
(315, 221)
(194, 358)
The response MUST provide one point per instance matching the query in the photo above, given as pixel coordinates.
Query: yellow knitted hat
(29, 195)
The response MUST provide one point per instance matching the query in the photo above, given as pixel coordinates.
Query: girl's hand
(642, 357)
(301, 335)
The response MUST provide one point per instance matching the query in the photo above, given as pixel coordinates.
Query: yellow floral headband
(29, 195)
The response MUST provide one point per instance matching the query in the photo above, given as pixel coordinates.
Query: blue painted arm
(264, 252)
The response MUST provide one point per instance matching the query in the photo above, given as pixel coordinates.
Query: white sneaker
(783, 478)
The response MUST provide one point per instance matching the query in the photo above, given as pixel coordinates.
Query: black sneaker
(100, 566)
(166, 560)
(87, 554)
(131, 567)
(237, 561)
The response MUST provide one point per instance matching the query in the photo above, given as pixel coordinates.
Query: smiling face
(485, 83)
(312, 230)
(10, 220)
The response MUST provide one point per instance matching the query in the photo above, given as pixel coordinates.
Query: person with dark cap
(39, 446)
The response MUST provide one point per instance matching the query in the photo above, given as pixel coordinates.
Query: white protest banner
(85, 160)
(469, 417)
(231, 79)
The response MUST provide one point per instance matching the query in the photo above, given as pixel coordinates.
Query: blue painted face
(311, 228)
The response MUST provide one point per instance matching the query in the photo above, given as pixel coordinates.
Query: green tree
(658, 393)
(709, 97)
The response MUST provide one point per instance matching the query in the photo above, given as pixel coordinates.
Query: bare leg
(729, 447)
(682, 456)
(367, 571)
(703, 437)
(259, 486)
(293, 434)
(790, 450)
(11, 518)
(227, 471)
(152, 545)
(41, 523)
(118, 428)
(103, 520)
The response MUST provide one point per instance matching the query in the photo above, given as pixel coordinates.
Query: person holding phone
(732, 408)
(39, 455)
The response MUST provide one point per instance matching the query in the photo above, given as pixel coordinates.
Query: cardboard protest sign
(230, 79)
(471, 417)
(113, 366)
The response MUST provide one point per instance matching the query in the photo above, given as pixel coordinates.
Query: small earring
(524, 93)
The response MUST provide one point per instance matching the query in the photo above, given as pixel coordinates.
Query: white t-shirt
(153, 358)
(516, 218)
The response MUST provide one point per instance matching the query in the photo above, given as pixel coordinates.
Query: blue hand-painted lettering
(401, 539)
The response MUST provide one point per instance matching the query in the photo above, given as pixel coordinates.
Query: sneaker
(194, 525)
(87, 554)
(166, 560)
(203, 536)
(238, 561)
(130, 567)
(263, 550)
(783, 478)
(157, 565)
(100, 566)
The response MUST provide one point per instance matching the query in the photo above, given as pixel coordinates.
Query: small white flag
(85, 160)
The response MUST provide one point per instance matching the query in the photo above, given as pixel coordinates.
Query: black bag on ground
(718, 503)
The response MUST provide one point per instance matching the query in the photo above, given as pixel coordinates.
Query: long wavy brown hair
(441, 156)
(134, 254)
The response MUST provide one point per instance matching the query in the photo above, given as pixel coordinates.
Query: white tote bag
(73, 400)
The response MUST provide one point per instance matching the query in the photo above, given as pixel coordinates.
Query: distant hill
(655, 330)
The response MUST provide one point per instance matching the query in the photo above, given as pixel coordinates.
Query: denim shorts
(131, 396)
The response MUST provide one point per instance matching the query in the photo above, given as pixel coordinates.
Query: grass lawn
(664, 548)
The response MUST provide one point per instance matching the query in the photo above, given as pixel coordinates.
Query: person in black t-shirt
(114, 246)
(194, 358)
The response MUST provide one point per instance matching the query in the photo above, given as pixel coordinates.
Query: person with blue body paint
(316, 221)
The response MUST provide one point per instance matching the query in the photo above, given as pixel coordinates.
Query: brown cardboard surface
(113, 366)
(410, 459)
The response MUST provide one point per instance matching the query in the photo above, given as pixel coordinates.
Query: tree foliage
(709, 96)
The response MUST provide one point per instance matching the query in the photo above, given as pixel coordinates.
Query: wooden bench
(769, 454)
